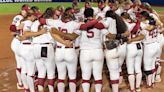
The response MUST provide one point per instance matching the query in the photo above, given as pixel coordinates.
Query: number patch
(153, 34)
(90, 34)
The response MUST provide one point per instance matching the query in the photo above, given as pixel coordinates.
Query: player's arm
(28, 33)
(117, 36)
(59, 39)
(150, 28)
(70, 36)
(138, 38)
(88, 24)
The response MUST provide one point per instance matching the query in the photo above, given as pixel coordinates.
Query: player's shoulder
(36, 22)
(27, 22)
(52, 22)
(108, 19)
(18, 17)
(106, 8)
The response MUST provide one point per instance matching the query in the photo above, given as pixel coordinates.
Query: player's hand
(80, 19)
(68, 43)
(129, 41)
(20, 27)
(43, 30)
(99, 18)
(21, 38)
(111, 36)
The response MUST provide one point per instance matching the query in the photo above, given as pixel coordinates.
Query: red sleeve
(99, 26)
(136, 27)
(13, 28)
(88, 24)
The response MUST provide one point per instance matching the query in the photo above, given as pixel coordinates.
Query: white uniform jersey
(150, 36)
(119, 11)
(68, 27)
(90, 39)
(110, 24)
(27, 27)
(44, 38)
(80, 14)
(101, 13)
(17, 19)
(130, 27)
(54, 23)
(154, 16)
(132, 13)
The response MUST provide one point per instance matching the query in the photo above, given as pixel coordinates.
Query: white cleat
(19, 86)
(158, 78)
(138, 89)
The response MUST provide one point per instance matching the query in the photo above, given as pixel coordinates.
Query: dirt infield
(7, 63)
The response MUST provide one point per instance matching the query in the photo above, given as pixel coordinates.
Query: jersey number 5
(90, 34)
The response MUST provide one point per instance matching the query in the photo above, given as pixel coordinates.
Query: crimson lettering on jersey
(135, 35)
(90, 34)
(153, 34)
(63, 30)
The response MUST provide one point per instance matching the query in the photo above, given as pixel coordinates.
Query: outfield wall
(152, 2)
(18, 1)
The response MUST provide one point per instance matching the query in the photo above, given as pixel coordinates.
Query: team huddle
(60, 38)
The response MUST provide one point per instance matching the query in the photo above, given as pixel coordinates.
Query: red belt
(64, 47)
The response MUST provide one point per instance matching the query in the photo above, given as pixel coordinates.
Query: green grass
(13, 8)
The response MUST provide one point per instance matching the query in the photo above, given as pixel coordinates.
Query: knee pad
(148, 72)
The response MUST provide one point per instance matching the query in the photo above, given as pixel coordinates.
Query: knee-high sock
(61, 86)
(86, 85)
(153, 75)
(41, 84)
(131, 79)
(30, 81)
(24, 80)
(18, 73)
(158, 71)
(115, 84)
(120, 78)
(149, 79)
(98, 85)
(51, 85)
(72, 85)
(138, 80)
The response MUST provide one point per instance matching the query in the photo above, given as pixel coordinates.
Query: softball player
(66, 57)
(15, 27)
(150, 42)
(134, 53)
(26, 48)
(115, 56)
(90, 43)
